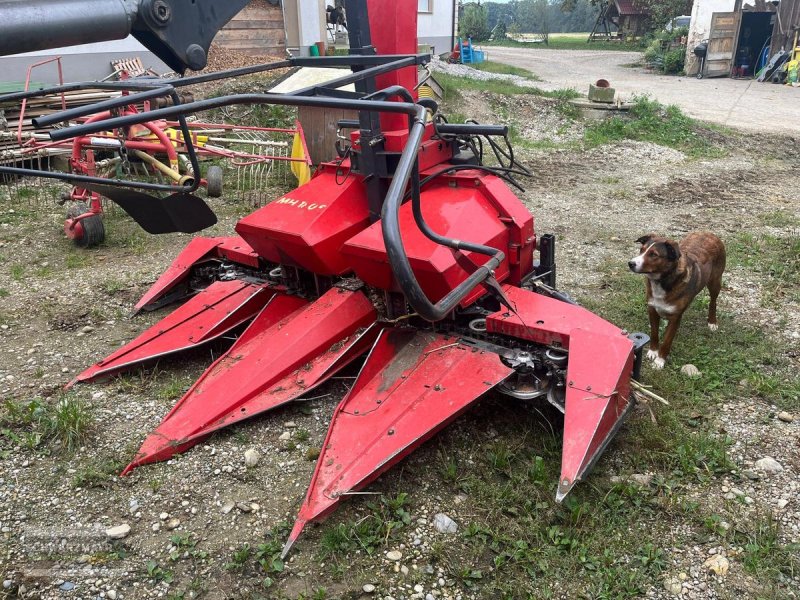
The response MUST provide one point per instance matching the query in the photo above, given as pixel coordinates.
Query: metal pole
(42, 24)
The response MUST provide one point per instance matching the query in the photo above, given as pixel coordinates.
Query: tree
(475, 23)
(541, 16)
(663, 11)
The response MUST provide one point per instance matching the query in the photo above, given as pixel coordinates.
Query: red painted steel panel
(307, 227)
(598, 399)
(457, 212)
(412, 384)
(199, 249)
(393, 30)
(545, 320)
(216, 310)
(289, 348)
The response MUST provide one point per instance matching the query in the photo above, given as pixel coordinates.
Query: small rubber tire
(214, 181)
(94, 232)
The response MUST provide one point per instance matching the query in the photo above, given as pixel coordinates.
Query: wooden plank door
(722, 44)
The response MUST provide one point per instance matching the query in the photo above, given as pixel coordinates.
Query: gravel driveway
(738, 103)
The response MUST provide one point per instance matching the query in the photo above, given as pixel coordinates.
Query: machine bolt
(161, 11)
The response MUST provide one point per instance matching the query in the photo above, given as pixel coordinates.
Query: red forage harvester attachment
(409, 255)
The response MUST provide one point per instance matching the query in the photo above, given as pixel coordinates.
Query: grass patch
(453, 85)
(496, 67)
(650, 121)
(738, 352)
(386, 517)
(569, 41)
(264, 560)
(172, 388)
(98, 473)
(77, 258)
(65, 421)
(764, 556)
(779, 218)
(775, 259)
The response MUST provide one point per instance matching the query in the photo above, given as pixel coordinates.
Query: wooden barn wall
(787, 21)
(257, 31)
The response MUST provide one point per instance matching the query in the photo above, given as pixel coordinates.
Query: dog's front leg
(655, 321)
(669, 334)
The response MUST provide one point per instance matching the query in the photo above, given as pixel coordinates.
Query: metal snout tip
(286, 548)
(296, 531)
(564, 488)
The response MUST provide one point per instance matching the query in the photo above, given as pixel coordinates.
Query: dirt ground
(740, 103)
(196, 520)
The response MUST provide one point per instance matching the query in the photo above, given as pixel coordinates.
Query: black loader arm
(179, 32)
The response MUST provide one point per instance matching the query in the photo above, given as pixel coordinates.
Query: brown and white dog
(676, 273)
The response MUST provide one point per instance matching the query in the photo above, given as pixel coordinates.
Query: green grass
(65, 421)
(386, 518)
(453, 85)
(101, 472)
(775, 259)
(569, 41)
(764, 556)
(173, 388)
(780, 218)
(650, 121)
(738, 352)
(264, 560)
(496, 67)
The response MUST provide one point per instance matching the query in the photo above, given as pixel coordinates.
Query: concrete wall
(700, 27)
(436, 28)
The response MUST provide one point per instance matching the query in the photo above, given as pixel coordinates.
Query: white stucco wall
(80, 63)
(701, 26)
(436, 28)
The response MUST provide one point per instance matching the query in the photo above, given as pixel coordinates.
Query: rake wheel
(214, 181)
(90, 231)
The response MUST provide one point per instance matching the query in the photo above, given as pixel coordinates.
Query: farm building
(630, 17)
(741, 34)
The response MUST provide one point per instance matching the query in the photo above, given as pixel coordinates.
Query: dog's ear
(673, 251)
(645, 239)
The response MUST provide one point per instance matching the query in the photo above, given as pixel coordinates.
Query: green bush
(673, 61)
(652, 53)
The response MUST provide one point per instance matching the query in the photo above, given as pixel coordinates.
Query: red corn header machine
(410, 254)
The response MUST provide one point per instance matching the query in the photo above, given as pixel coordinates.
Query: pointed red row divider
(213, 312)
(289, 348)
(412, 384)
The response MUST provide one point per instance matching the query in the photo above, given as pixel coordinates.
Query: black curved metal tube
(407, 169)
(170, 112)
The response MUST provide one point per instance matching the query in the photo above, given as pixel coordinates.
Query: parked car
(678, 22)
